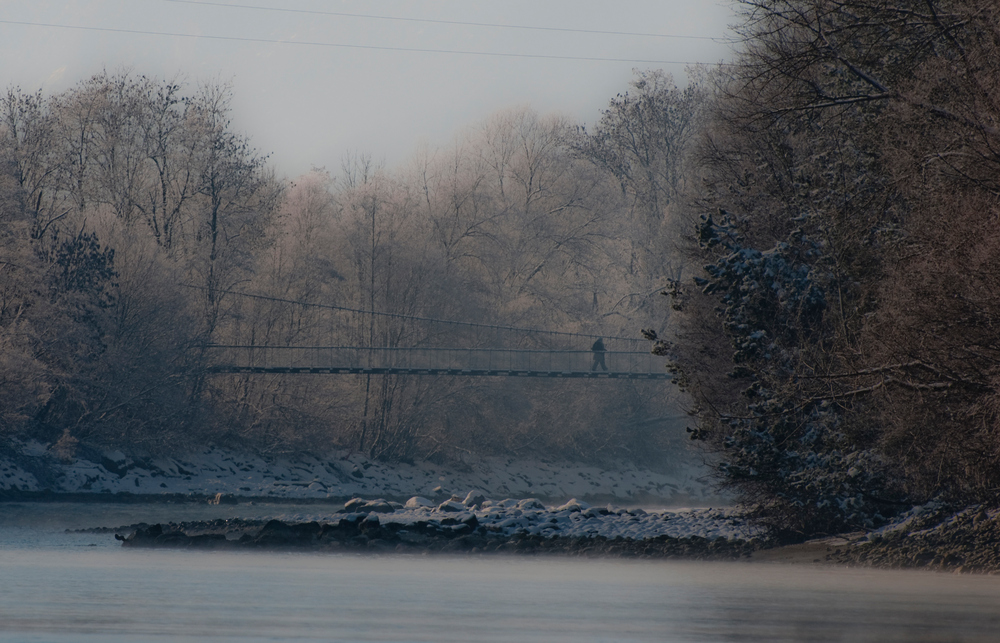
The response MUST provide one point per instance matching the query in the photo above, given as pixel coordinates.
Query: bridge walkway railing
(434, 361)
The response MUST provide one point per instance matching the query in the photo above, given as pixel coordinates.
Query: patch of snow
(573, 505)
(906, 521)
(507, 518)
(15, 478)
(212, 471)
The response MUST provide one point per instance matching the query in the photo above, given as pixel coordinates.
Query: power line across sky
(462, 23)
(307, 43)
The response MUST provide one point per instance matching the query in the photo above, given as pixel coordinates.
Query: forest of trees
(132, 216)
(822, 213)
(847, 194)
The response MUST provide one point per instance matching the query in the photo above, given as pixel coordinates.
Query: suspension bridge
(543, 353)
(469, 362)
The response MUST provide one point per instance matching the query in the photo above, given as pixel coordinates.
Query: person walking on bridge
(598, 350)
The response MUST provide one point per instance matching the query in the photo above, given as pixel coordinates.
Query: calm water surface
(81, 587)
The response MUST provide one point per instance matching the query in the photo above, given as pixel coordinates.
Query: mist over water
(83, 587)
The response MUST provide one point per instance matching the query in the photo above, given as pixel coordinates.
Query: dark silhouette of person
(598, 350)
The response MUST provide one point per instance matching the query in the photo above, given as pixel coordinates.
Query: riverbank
(32, 471)
(928, 537)
(473, 524)
(933, 537)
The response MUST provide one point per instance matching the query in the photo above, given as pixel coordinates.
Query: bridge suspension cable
(520, 329)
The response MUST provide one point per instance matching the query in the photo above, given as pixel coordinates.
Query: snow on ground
(530, 516)
(214, 471)
(908, 521)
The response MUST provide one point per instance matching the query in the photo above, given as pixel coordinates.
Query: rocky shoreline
(469, 525)
(363, 536)
(965, 545)
(935, 538)
(931, 537)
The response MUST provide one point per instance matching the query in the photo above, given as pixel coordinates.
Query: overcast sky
(315, 79)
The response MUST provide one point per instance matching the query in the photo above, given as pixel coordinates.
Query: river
(69, 587)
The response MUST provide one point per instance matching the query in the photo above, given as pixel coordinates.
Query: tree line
(840, 345)
(132, 214)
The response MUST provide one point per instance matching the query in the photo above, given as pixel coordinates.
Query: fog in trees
(139, 229)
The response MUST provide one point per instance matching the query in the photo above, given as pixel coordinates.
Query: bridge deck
(333, 360)
(335, 370)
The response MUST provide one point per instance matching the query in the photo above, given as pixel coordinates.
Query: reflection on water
(59, 588)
